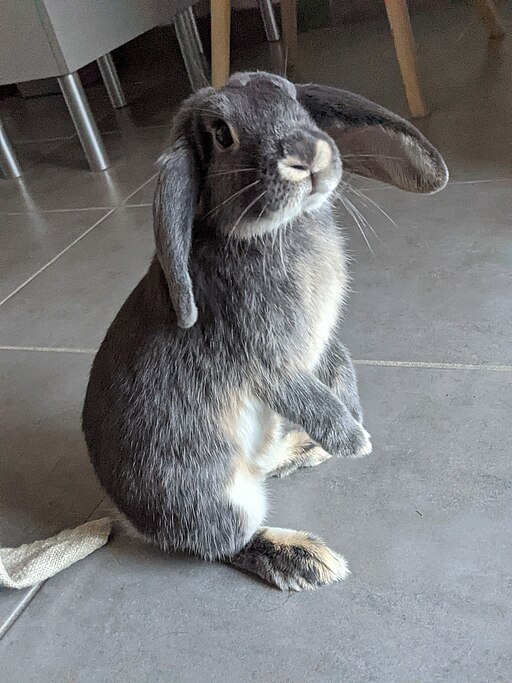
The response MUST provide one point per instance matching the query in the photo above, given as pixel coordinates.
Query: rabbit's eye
(223, 135)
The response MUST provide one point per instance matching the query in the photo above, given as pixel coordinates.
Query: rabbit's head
(253, 155)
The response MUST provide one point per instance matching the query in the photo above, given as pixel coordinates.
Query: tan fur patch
(328, 565)
(297, 451)
(290, 169)
(245, 423)
(323, 291)
(295, 440)
(323, 156)
(252, 430)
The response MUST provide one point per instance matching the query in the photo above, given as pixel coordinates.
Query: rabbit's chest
(323, 290)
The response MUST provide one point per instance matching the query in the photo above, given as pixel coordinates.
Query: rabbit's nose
(311, 157)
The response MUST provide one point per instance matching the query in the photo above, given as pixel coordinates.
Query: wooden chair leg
(490, 17)
(220, 12)
(289, 31)
(399, 21)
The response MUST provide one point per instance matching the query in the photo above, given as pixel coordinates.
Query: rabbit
(225, 365)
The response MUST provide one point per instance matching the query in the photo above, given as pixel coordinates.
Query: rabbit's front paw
(363, 445)
(355, 441)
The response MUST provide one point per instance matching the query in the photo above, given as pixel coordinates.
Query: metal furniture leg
(111, 80)
(269, 20)
(83, 119)
(191, 48)
(8, 160)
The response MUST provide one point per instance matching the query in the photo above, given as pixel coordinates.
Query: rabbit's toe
(308, 454)
(364, 445)
(354, 441)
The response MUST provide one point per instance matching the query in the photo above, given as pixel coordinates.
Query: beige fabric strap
(34, 562)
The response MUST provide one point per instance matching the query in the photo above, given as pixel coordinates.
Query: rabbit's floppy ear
(374, 142)
(175, 202)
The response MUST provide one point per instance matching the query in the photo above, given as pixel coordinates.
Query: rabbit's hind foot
(290, 560)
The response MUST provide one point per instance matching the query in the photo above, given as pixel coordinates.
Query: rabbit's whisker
(274, 237)
(263, 250)
(235, 170)
(251, 204)
(262, 211)
(465, 30)
(364, 198)
(368, 156)
(362, 217)
(349, 207)
(206, 111)
(282, 231)
(235, 194)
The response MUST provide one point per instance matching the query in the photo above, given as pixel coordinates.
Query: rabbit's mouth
(317, 198)
(270, 219)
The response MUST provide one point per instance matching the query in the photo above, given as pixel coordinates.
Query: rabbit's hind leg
(290, 560)
(246, 495)
(285, 558)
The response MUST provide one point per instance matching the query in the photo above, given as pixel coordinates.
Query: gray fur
(174, 206)
(231, 306)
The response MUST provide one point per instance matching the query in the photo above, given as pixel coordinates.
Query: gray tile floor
(425, 522)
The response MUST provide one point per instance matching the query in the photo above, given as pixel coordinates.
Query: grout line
(20, 608)
(62, 138)
(47, 265)
(434, 366)
(83, 208)
(377, 363)
(389, 187)
(42, 211)
(59, 138)
(47, 349)
(146, 204)
(139, 188)
(112, 132)
(34, 590)
(65, 138)
(383, 186)
(481, 180)
(156, 126)
(137, 206)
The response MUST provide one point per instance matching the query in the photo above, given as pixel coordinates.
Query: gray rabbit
(225, 364)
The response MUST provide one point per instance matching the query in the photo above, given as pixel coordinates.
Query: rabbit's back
(150, 405)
